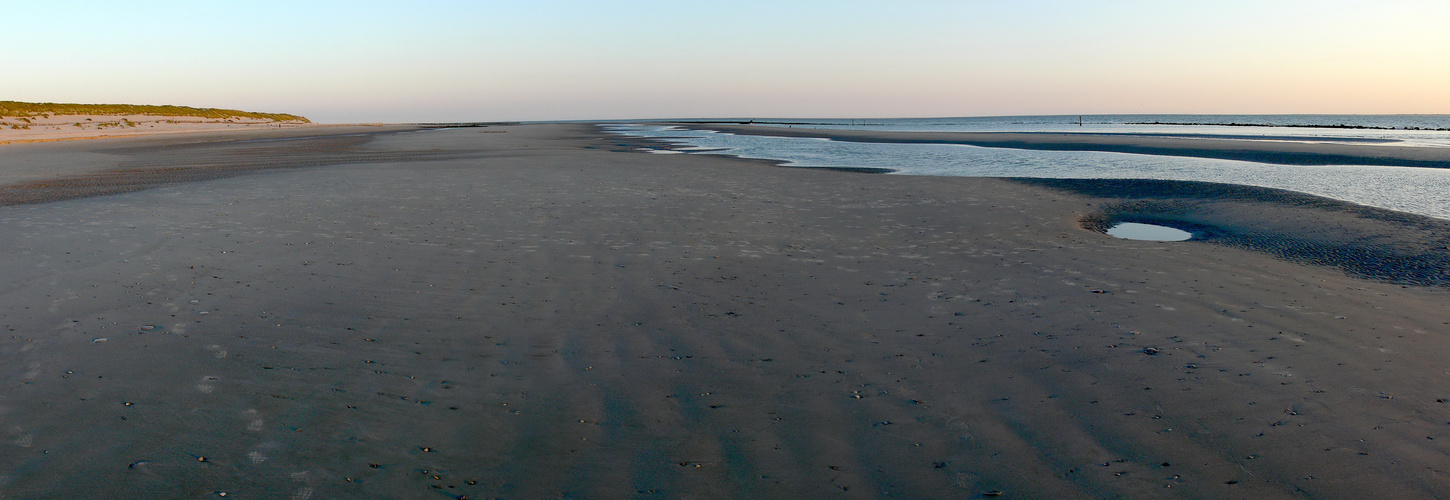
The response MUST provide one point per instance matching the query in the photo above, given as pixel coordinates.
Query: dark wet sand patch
(1366, 242)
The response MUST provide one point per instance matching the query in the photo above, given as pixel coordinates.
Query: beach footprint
(21, 438)
(217, 351)
(207, 384)
(305, 492)
(254, 420)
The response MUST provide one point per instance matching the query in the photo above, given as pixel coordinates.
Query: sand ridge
(543, 311)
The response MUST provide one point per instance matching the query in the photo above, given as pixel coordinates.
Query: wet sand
(1264, 151)
(542, 311)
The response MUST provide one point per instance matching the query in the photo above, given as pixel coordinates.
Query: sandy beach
(48, 128)
(541, 311)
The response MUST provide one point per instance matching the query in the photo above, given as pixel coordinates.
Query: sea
(1424, 191)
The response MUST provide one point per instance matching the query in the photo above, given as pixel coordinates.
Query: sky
(448, 61)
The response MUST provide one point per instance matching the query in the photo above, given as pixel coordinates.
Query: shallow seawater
(1424, 191)
(1418, 130)
(1147, 232)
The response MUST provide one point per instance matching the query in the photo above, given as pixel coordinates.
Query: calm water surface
(1417, 130)
(1424, 191)
(1147, 232)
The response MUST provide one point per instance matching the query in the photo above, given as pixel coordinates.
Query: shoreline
(1363, 241)
(1262, 151)
(545, 311)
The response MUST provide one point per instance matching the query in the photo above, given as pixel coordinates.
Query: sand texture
(46, 128)
(542, 311)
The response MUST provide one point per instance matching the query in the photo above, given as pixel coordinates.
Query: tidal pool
(1147, 232)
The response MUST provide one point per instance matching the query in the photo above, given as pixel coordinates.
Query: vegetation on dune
(24, 109)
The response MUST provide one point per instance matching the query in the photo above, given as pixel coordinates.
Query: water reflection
(1424, 191)
(1147, 232)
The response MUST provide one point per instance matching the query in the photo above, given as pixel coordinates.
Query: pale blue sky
(362, 61)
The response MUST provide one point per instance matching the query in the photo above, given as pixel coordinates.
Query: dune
(24, 122)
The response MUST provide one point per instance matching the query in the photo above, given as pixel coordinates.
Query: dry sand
(46, 128)
(538, 311)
